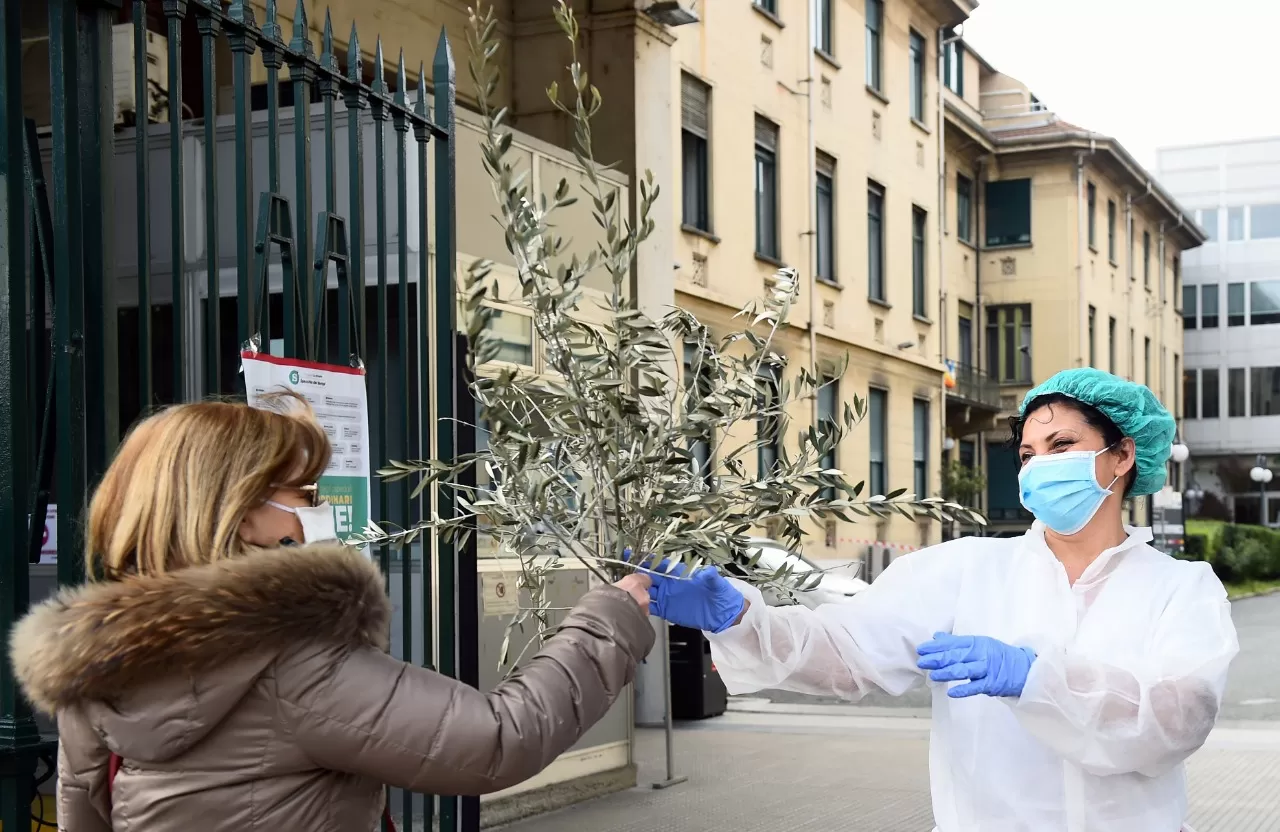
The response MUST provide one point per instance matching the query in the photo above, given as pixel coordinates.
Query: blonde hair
(184, 479)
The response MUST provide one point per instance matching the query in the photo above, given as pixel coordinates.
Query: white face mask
(317, 522)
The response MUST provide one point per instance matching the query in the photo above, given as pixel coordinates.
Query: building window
(1093, 340)
(1235, 304)
(828, 401)
(1092, 207)
(916, 49)
(1111, 345)
(697, 387)
(695, 98)
(824, 10)
(920, 457)
(1209, 222)
(1265, 390)
(1189, 297)
(769, 425)
(964, 334)
(1209, 406)
(1111, 230)
(875, 242)
(1190, 397)
(1235, 393)
(964, 208)
(953, 67)
(1177, 277)
(918, 300)
(1264, 222)
(1009, 343)
(514, 334)
(1146, 361)
(1264, 302)
(767, 189)
(770, 6)
(875, 28)
(1146, 260)
(1209, 306)
(1133, 356)
(1009, 212)
(1178, 381)
(826, 203)
(1235, 223)
(877, 415)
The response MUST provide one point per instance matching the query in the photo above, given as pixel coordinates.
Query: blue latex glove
(703, 601)
(990, 666)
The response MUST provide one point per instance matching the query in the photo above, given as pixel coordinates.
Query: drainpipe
(1080, 220)
(943, 312)
(813, 213)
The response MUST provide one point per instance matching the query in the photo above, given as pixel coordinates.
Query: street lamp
(1192, 498)
(1262, 475)
(1179, 453)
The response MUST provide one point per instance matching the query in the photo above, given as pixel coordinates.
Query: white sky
(1151, 73)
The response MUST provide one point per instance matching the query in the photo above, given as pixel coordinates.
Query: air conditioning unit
(124, 80)
(875, 560)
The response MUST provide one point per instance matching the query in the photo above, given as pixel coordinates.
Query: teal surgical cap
(1133, 408)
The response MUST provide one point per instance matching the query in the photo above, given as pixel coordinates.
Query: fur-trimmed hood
(103, 641)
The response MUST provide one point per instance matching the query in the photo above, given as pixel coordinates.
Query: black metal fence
(141, 248)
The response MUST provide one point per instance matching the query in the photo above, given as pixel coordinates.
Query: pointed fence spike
(301, 41)
(379, 70)
(355, 66)
(401, 81)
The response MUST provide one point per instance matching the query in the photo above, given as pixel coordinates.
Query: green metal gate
(302, 268)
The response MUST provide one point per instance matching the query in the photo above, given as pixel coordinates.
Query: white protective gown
(1130, 670)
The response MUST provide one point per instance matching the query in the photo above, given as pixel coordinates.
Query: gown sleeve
(845, 650)
(1144, 719)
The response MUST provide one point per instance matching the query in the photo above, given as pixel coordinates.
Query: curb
(1264, 593)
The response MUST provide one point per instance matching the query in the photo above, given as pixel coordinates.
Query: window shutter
(694, 97)
(766, 134)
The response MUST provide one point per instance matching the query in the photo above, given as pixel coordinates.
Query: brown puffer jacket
(256, 693)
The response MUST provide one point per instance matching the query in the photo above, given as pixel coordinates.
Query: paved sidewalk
(825, 769)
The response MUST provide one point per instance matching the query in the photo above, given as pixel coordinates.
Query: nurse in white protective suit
(1073, 669)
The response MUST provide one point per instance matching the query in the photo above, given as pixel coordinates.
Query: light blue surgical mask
(1062, 490)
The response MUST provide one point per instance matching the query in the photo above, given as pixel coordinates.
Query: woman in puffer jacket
(244, 682)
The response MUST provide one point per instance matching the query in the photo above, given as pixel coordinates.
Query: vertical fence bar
(302, 73)
(69, 288)
(400, 118)
(422, 134)
(352, 308)
(378, 103)
(329, 74)
(18, 734)
(209, 29)
(175, 11)
(142, 121)
(273, 59)
(243, 40)
(446, 301)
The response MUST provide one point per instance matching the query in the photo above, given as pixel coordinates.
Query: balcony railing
(976, 387)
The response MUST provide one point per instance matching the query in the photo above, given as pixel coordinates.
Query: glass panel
(964, 333)
(917, 76)
(1009, 212)
(1111, 230)
(1265, 391)
(1209, 222)
(875, 17)
(1235, 223)
(993, 346)
(1209, 406)
(766, 203)
(696, 182)
(1024, 345)
(824, 26)
(826, 227)
(964, 208)
(877, 403)
(1111, 345)
(1190, 401)
(1235, 304)
(1209, 306)
(875, 242)
(1093, 339)
(1264, 222)
(1093, 213)
(1264, 302)
(515, 333)
(1189, 307)
(1235, 393)
(918, 221)
(921, 447)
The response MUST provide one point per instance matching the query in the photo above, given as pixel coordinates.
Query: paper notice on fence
(341, 403)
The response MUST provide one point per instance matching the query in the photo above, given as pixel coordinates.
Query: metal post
(667, 719)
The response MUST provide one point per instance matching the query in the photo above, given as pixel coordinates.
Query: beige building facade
(822, 156)
(1061, 252)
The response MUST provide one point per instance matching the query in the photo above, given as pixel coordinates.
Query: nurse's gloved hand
(703, 601)
(989, 666)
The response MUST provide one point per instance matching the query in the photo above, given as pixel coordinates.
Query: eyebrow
(1048, 438)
